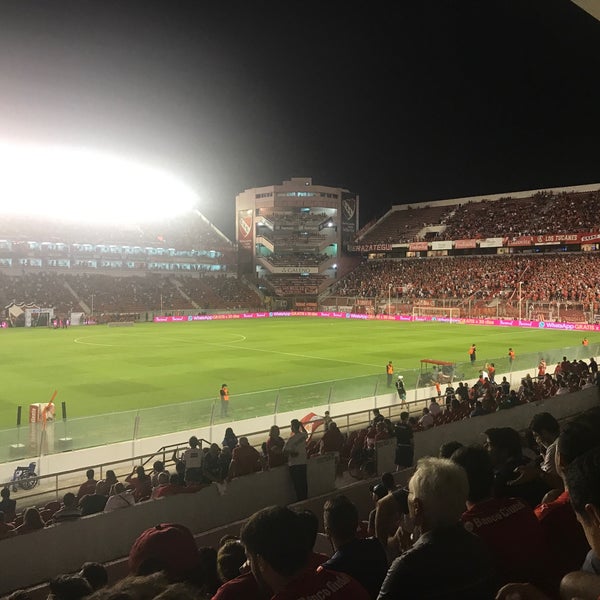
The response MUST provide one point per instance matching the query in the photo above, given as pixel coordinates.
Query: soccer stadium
(118, 344)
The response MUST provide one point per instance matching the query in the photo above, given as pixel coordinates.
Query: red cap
(166, 547)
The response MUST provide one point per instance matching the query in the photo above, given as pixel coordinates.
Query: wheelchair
(24, 478)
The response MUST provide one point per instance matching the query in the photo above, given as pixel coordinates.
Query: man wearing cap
(167, 547)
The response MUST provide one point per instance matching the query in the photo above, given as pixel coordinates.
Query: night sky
(397, 101)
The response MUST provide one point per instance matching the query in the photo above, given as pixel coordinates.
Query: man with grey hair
(446, 561)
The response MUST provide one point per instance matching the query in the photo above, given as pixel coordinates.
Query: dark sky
(397, 101)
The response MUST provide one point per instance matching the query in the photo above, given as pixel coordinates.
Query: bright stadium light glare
(87, 186)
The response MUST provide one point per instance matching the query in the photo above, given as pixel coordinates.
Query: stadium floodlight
(87, 186)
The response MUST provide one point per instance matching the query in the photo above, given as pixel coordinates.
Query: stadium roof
(590, 6)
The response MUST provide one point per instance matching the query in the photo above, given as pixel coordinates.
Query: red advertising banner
(557, 238)
(465, 244)
(418, 246)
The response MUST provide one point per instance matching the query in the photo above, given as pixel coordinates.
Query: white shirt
(192, 458)
(296, 445)
(122, 500)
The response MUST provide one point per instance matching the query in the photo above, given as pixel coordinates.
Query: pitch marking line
(348, 362)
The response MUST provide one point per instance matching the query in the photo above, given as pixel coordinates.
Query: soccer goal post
(436, 311)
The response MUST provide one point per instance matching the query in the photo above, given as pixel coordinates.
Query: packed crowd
(514, 517)
(525, 216)
(111, 295)
(541, 214)
(183, 232)
(565, 278)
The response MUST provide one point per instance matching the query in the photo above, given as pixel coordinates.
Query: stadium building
(291, 237)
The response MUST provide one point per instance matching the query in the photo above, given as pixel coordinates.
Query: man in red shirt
(244, 459)
(507, 526)
(278, 549)
(89, 486)
(566, 539)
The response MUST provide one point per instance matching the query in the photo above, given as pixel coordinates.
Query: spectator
(448, 448)
(140, 484)
(404, 442)
(504, 447)
(107, 483)
(426, 421)
(95, 574)
(310, 526)
(278, 552)
(377, 417)
(446, 561)
(545, 429)
(207, 570)
(244, 459)
(231, 557)
(378, 491)
(295, 449)
(157, 468)
(434, 408)
(507, 526)
(332, 440)
(88, 486)
(93, 503)
(168, 547)
(32, 521)
(275, 444)
(69, 587)
(363, 559)
(583, 483)
(8, 506)
(119, 498)
(557, 518)
(230, 439)
(211, 465)
(172, 487)
(162, 482)
(69, 511)
(192, 460)
(6, 529)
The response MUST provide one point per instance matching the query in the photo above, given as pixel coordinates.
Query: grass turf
(299, 361)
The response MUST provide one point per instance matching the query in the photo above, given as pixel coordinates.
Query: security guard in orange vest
(389, 369)
(224, 393)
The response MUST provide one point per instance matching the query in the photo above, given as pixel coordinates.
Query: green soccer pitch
(99, 370)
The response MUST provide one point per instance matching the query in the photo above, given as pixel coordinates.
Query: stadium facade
(291, 236)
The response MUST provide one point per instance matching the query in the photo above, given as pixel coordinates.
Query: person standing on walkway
(389, 369)
(473, 353)
(224, 393)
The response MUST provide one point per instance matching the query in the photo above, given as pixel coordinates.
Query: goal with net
(436, 311)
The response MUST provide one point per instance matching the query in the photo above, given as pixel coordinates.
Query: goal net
(436, 311)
